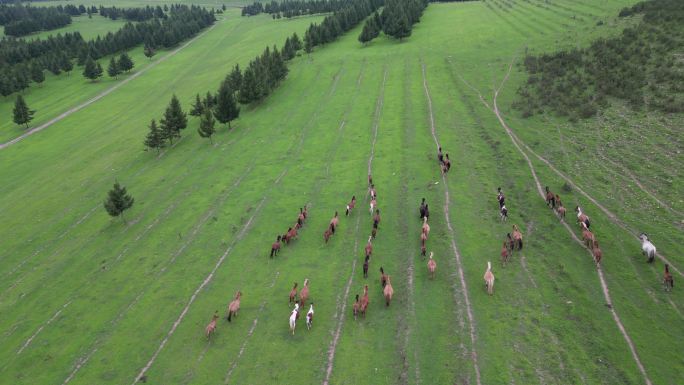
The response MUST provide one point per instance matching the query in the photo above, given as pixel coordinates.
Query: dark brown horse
(596, 251)
(550, 198)
(275, 247)
(293, 294)
(383, 277)
(668, 281)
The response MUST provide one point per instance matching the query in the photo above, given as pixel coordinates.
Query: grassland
(86, 299)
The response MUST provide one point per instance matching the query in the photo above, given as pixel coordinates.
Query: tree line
(133, 14)
(20, 20)
(639, 67)
(396, 21)
(19, 57)
(293, 8)
(338, 23)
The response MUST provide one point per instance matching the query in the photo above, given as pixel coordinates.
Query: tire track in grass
(340, 321)
(28, 341)
(457, 254)
(599, 269)
(103, 93)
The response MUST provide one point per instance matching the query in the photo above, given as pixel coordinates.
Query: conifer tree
(296, 42)
(250, 89)
(22, 113)
(66, 64)
(155, 138)
(174, 120)
(118, 201)
(37, 74)
(92, 69)
(149, 51)
(226, 108)
(197, 107)
(209, 100)
(113, 70)
(125, 63)
(206, 128)
(235, 78)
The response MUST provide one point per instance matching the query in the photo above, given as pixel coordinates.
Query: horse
(500, 197)
(350, 205)
(503, 213)
(447, 163)
(489, 279)
(327, 233)
(301, 217)
(373, 193)
(373, 204)
(363, 305)
(304, 293)
(432, 266)
(356, 307)
(668, 281)
(588, 237)
(305, 212)
(582, 218)
(374, 232)
(234, 306)
(423, 250)
(421, 209)
(560, 210)
(309, 317)
(293, 294)
(440, 156)
(426, 214)
(370, 180)
(293, 318)
(517, 238)
(596, 251)
(423, 238)
(369, 248)
(550, 198)
(275, 247)
(504, 254)
(333, 222)
(211, 327)
(376, 218)
(647, 248)
(510, 243)
(426, 227)
(288, 236)
(383, 277)
(292, 233)
(388, 291)
(366, 262)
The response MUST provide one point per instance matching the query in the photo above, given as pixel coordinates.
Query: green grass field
(86, 299)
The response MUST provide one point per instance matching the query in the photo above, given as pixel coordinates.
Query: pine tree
(22, 113)
(66, 64)
(154, 138)
(235, 78)
(250, 90)
(92, 69)
(113, 70)
(125, 63)
(296, 42)
(209, 100)
(198, 107)
(37, 74)
(206, 128)
(226, 108)
(118, 201)
(149, 51)
(174, 120)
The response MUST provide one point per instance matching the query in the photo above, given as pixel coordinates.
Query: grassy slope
(547, 322)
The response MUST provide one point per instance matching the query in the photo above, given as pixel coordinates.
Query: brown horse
(376, 219)
(560, 210)
(596, 251)
(301, 217)
(333, 222)
(426, 227)
(423, 250)
(356, 308)
(550, 198)
(366, 263)
(211, 327)
(234, 306)
(517, 237)
(327, 233)
(305, 212)
(369, 248)
(388, 291)
(304, 293)
(509, 242)
(383, 277)
(447, 163)
(351, 205)
(423, 238)
(363, 305)
(504, 254)
(293, 294)
(370, 180)
(432, 266)
(275, 247)
(292, 233)
(588, 237)
(374, 232)
(668, 281)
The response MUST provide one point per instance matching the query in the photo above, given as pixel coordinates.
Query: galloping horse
(351, 205)
(489, 279)
(421, 209)
(309, 317)
(369, 247)
(432, 266)
(550, 198)
(275, 247)
(426, 227)
(234, 306)
(383, 277)
(500, 197)
(647, 248)
(211, 328)
(588, 237)
(388, 291)
(327, 233)
(560, 209)
(293, 318)
(366, 262)
(333, 222)
(304, 293)
(582, 218)
(517, 238)
(293, 294)
(363, 306)
(376, 219)
(596, 251)
(668, 281)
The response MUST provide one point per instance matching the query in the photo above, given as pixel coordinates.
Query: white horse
(293, 318)
(489, 279)
(309, 317)
(647, 247)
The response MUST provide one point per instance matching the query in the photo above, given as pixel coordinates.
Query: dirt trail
(599, 270)
(457, 254)
(28, 341)
(336, 337)
(101, 94)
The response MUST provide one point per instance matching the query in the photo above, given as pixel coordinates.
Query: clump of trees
(123, 64)
(293, 8)
(639, 67)
(170, 125)
(21, 20)
(344, 19)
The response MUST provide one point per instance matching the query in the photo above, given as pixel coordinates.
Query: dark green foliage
(638, 67)
(226, 108)
(149, 51)
(22, 113)
(209, 100)
(398, 17)
(344, 19)
(197, 107)
(234, 79)
(118, 201)
(113, 69)
(206, 128)
(37, 74)
(371, 30)
(125, 63)
(174, 120)
(20, 20)
(155, 138)
(263, 74)
(66, 64)
(92, 70)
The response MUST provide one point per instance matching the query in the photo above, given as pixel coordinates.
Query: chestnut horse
(489, 279)
(363, 306)
(369, 248)
(275, 247)
(668, 281)
(383, 277)
(351, 205)
(333, 222)
(504, 254)
(588, 237)
(426, 227)
(234, 306)
(432, 266)
(376, 219)
(327, 233)
(447, 163)
(517, 238)
(550, 198)
(560, 209)
(293, 294)
(304, 293)
(211, 328)
(366, 262)
(388, 291)
(596, 251)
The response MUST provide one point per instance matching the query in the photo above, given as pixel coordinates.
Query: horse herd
(513, 242)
